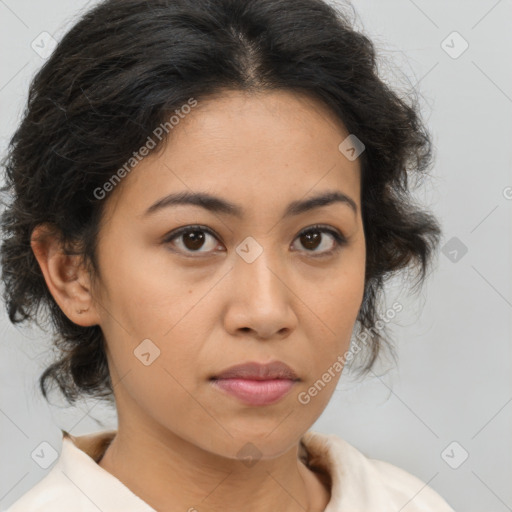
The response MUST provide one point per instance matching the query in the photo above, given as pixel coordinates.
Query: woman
(207, 198)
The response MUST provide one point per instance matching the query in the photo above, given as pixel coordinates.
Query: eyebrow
(218, 205)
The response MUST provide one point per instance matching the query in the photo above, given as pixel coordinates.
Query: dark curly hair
(123, 68)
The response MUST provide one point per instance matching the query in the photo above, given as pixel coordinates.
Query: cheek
(144, 297)
(336, 305)
(158, 373)
(153, 316)
(330, 335)
(341, 295)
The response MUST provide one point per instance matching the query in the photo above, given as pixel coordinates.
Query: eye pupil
(311, 239)
(195, 237)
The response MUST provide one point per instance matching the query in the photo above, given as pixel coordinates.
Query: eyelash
(340, 240)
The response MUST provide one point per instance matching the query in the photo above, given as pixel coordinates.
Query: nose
(261, 301)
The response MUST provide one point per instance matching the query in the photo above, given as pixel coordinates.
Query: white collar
(357, 483)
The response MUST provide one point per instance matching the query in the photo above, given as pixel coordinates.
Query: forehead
(279, 120)
(276, 145)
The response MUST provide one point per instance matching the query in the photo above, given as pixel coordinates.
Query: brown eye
(314, 237)
(191, 239)
(311, 239)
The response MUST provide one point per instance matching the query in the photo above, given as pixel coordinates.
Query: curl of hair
(123, 68)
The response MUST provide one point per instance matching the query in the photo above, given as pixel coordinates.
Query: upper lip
(258, 371)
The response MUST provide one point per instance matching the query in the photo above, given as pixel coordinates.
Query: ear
(66, 278)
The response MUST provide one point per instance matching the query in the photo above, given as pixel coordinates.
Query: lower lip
(256, 392)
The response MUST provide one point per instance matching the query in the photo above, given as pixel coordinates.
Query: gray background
(453, 379)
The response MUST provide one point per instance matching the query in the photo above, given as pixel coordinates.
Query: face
(187, 291)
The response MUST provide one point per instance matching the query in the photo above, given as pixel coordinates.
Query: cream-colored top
(76, 483)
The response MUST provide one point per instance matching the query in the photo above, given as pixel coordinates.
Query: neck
(170, 473)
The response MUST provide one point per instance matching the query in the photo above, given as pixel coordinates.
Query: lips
(256, 384)
(258, 371)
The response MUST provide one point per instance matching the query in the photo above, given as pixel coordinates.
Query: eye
(192, 238)
(312, 237)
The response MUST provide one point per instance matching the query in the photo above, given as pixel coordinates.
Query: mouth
(256, 384)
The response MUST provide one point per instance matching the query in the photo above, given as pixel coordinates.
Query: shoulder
(77, 483)
(408, 490)
(363, 483)
(64, 487)
(53, 493)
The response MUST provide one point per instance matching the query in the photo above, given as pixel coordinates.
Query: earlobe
(67, 280)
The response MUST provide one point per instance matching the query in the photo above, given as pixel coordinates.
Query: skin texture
(178, 437)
